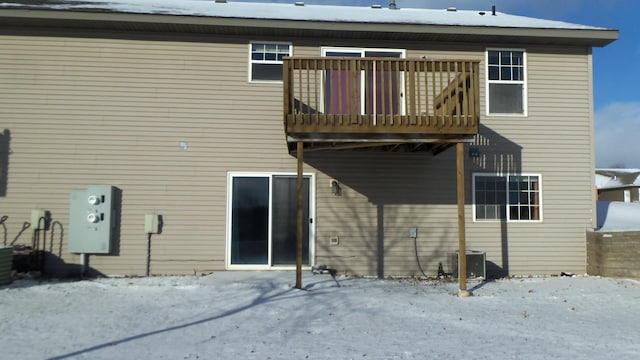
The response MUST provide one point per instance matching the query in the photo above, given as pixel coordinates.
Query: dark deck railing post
(286, 88)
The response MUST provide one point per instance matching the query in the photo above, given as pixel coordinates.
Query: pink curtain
(386, 95)
(339, 90)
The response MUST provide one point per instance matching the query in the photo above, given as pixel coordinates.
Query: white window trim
(312, 215)
(508, 219)
(525, 97)
(251, 61)
(362, 51)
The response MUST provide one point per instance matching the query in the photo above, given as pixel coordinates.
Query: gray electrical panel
(92, 220)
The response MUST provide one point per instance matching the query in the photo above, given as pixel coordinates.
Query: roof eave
(108, 20)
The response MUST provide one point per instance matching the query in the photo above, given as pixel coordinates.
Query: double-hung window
(506, 86)
(507, 197)
(265, 63)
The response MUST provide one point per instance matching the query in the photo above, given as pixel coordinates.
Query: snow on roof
(617, 178)
(322, 13)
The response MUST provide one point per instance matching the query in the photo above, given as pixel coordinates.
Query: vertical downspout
(83, 264)
(148, 272)
(380, 241)
(592, 163)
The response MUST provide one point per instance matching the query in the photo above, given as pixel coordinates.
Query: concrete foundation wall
(613, 254)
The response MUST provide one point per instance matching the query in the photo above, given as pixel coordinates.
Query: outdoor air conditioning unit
(476, 264)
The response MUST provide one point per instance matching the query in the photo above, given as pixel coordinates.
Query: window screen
(266, 61)
(506, 81)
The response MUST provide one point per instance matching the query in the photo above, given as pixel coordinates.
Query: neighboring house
(618, 184)
(196, 110)
(613, 246)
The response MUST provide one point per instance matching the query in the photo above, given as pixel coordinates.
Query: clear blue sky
(616, 67)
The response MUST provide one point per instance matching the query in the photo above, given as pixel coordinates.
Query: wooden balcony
(342, 102)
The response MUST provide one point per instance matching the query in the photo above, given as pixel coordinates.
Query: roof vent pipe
(392, 4)
(493, 10)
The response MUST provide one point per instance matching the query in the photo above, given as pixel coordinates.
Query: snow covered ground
(242, 315)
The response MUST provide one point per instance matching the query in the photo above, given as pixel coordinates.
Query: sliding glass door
(384, 92)
(263, 220)
(377, 90)
(342, 88)
(250, 220)
(284, 220)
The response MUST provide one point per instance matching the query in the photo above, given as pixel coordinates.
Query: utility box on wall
(92, 220)
(152, 223)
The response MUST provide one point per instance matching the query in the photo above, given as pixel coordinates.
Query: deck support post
(300, 217)
(462, 247)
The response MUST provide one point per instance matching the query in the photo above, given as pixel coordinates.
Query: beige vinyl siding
(554, 141)
(390, 192)
(113, 111)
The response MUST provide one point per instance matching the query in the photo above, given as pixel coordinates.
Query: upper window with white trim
(265, 63)
(506, 85)
(507, 197)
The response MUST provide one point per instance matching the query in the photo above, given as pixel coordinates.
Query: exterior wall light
(335, 188)
(474, 151)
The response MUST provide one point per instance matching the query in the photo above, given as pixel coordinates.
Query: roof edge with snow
(207, 16)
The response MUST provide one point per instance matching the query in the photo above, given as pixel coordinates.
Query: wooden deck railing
(377, 96)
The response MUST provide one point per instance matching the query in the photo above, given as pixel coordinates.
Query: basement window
(265, 60)
(506, 85)
(507, 197)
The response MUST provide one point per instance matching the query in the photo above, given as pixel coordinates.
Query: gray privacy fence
(613, 253)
